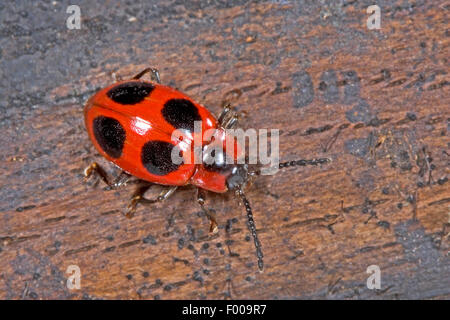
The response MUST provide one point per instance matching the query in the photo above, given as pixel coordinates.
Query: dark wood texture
(375, 101)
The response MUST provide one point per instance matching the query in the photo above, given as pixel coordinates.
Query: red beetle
(131, 123)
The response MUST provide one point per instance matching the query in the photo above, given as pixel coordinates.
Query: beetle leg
(116, 77)
(95, 169)
(138, 197)
(225, 111)
(154, 74)
(201, 201)
(228, 118)
(231, 123)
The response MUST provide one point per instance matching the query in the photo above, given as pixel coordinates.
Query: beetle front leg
(138, 198)
(228, 118)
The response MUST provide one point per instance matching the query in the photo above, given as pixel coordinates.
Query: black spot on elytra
(156, 156)
(130, 92)
(181, 113)
(110, 135)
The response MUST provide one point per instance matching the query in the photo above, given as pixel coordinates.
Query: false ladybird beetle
(131, 123)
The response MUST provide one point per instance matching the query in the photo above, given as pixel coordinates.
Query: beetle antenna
(252, 227)
(295, 163)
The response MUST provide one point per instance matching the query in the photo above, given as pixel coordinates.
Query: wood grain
(375, 101)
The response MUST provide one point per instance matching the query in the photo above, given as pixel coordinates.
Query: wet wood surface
(375, 101)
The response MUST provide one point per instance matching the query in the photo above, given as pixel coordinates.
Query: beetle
(131, 124)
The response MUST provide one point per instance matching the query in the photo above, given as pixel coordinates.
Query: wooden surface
(375, 101)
